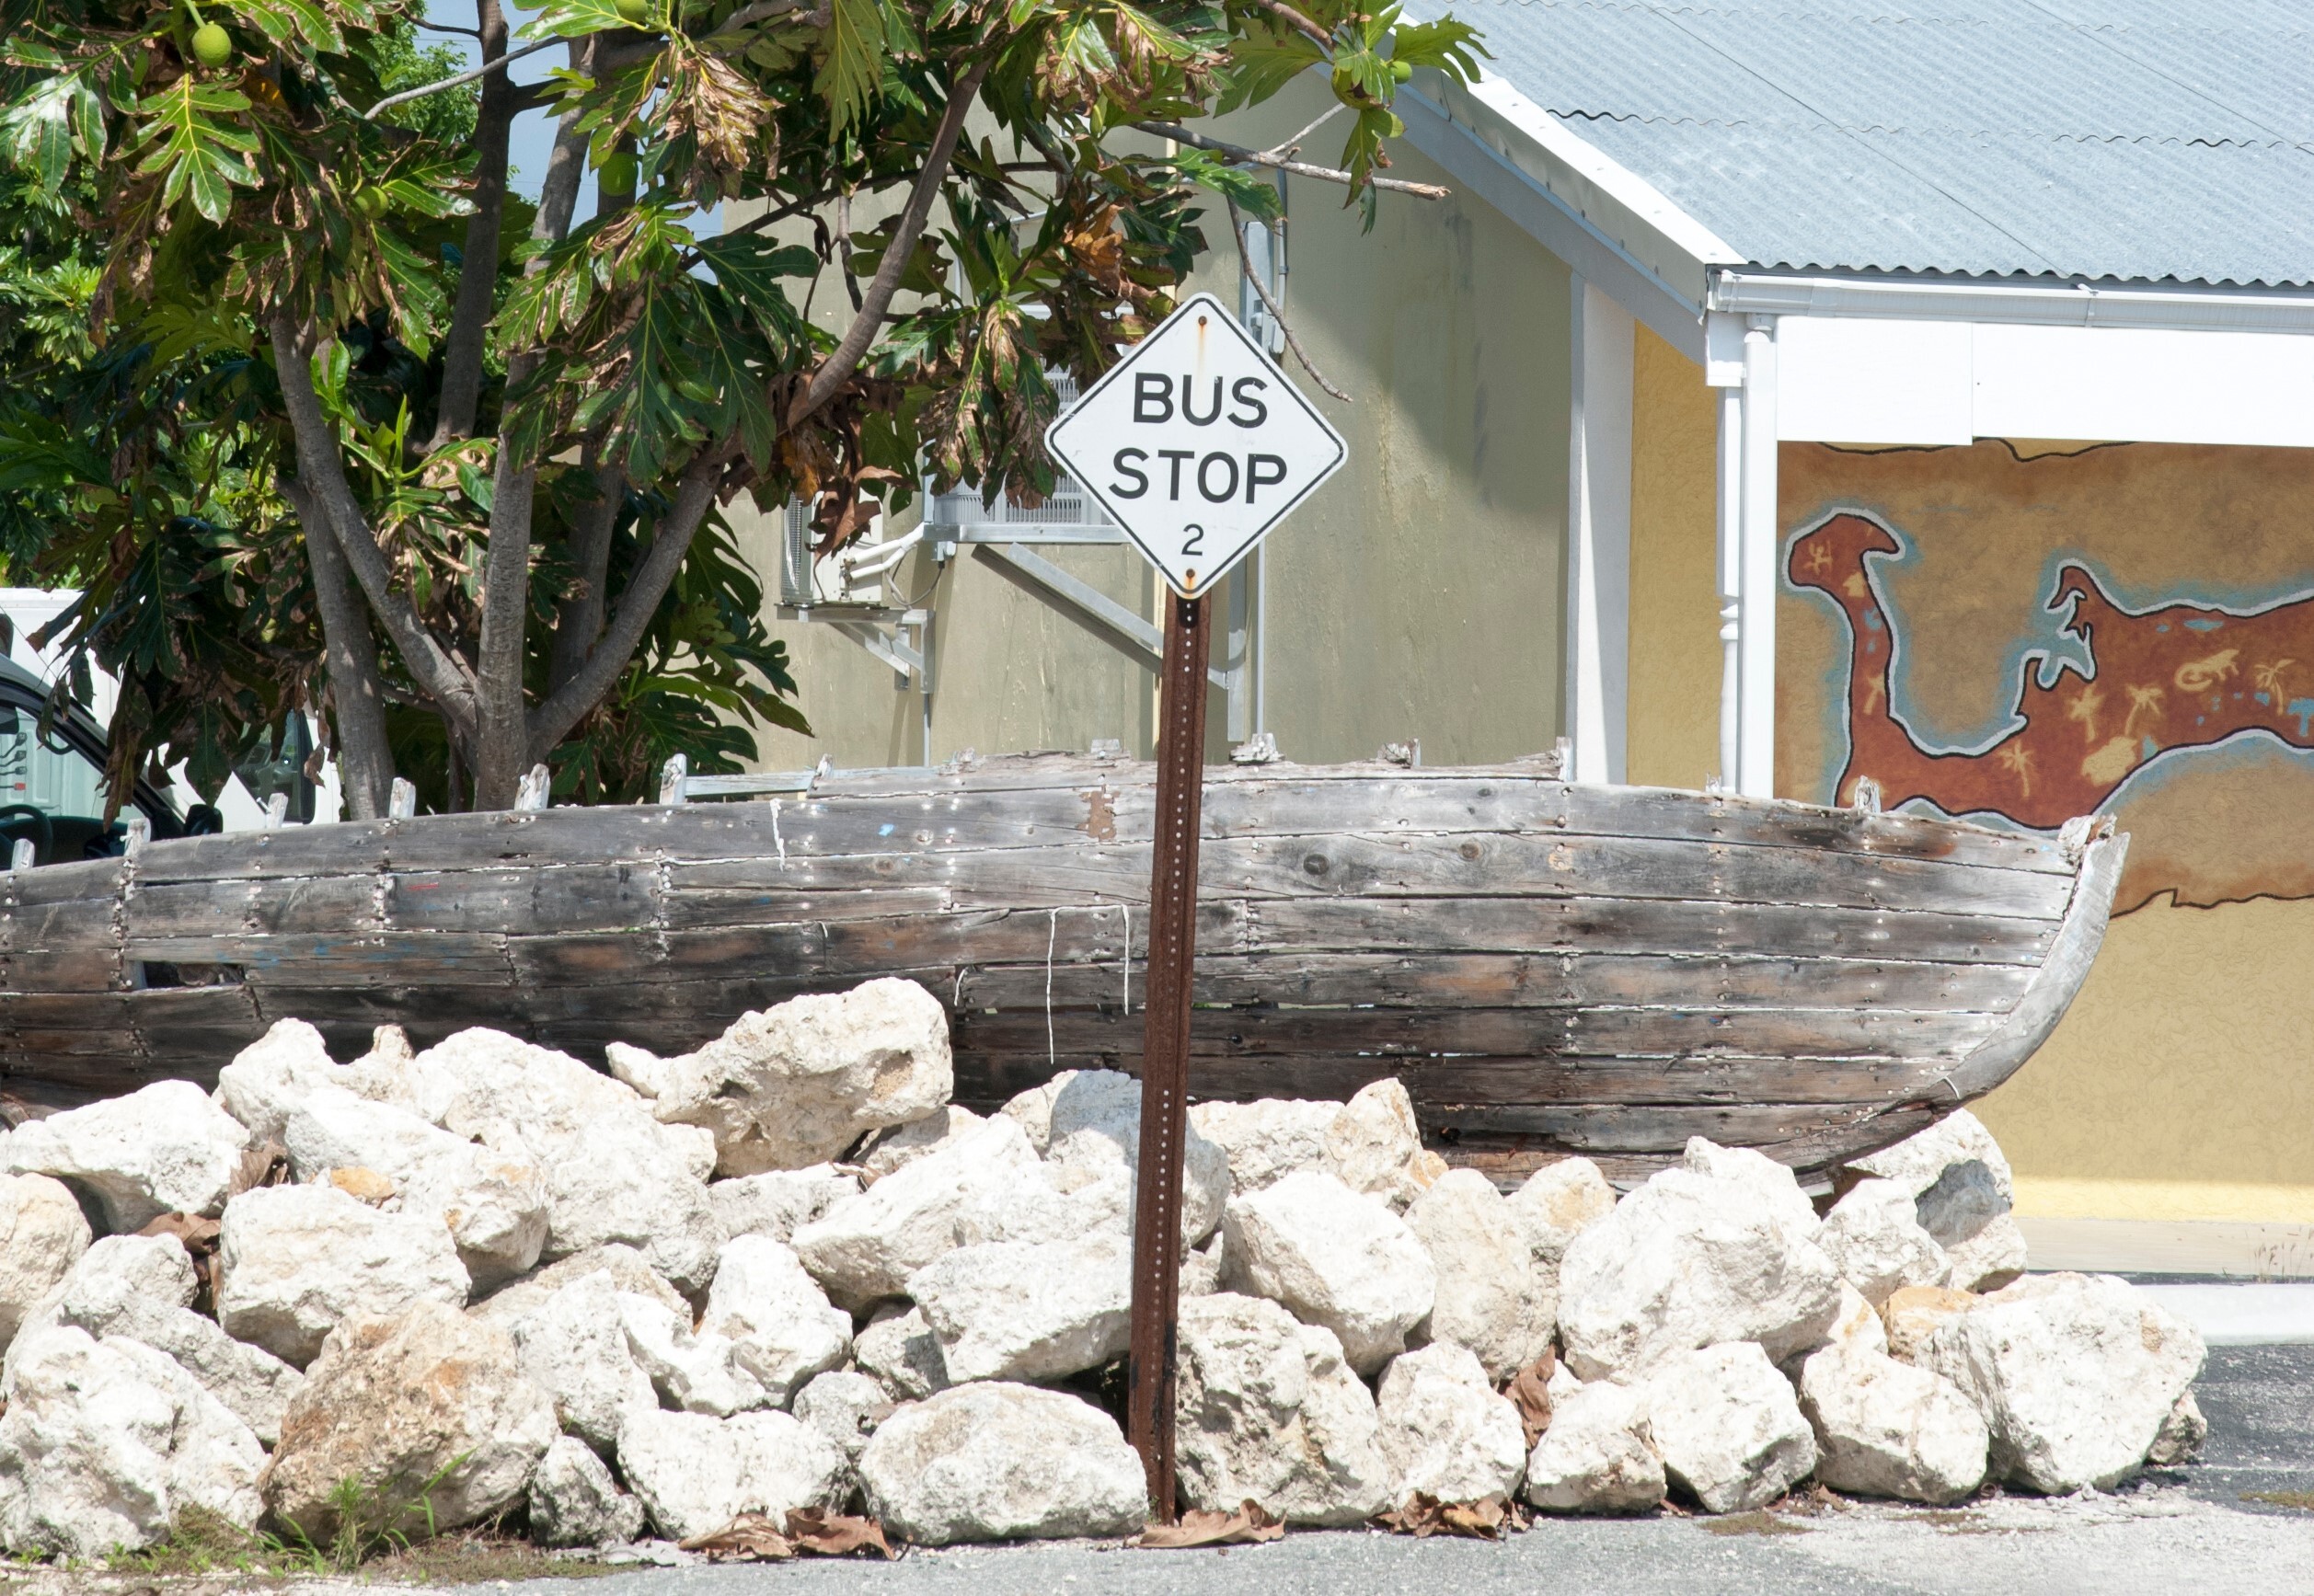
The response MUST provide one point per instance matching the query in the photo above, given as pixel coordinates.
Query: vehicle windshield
(49, 794)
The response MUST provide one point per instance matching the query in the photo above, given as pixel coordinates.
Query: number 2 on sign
(1192, 539)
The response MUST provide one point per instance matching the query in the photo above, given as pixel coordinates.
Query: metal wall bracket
(1130, 634)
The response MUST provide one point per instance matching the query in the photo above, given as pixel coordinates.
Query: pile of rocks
(486, 1281)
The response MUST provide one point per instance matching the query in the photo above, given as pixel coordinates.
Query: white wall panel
(1872, 382)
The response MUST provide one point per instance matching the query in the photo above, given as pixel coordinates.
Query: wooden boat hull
(1550, 967)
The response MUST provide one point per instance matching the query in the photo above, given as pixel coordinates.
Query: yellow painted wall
(1673, 734)
(1417, 595)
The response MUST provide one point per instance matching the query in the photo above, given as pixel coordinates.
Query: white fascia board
(2182, 309)
(1614, 228)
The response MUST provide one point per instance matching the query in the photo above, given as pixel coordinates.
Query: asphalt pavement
(2213, 1529)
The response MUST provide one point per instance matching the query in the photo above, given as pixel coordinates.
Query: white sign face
(1196, 445)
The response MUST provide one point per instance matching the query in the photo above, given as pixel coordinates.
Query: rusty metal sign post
(1197, 446)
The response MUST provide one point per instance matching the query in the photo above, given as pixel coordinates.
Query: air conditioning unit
(1068, 515)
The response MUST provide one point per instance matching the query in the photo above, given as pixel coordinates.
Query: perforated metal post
(1156, 1219)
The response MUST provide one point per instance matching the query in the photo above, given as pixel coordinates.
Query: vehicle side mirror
(204, 820)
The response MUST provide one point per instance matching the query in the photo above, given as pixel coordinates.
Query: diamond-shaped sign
(1196, 445)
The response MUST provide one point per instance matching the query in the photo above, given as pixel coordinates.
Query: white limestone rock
(1028, 1310)
(573, 1347)
(1961, 1201)
(1093, 1144)
(904, 1144)
(2181, 1434)
(846, 1407)
(1001, 1461)
(1202, 1267)
(105, 1443)
(1721, 1248)
(165, 1148)
(574, 1501)
(1490, 1297)
(779, 1202)
(1990, 1259)
(1885, 1428)
(1268, 1139)
(691, 1371)
(426, 1400)
(328, 1128)
(1334, 1259)
(1919, 1161)
(295, 1261)
(1912, 1315)
(899, 1351)
(613, 1174)
(1445, 1430)
(1556, 1204)
(1875, 1239)
(1727, 1426)
(1375, 1146)
(268, 1079)
(138, 1287)
(637, 1067)
(797, 1084)
(42, 1234)
(1268, 1410)
(2076, 1376)
(782, 1328)
(1599, 1456)
(695, 1473)
(987, 1185)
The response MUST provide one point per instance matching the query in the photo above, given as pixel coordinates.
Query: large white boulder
(613, 1174)
(573, 1347)
(1490, 1296)
(695, 1473)
(1723, 1248)
(1268, 1410)
(165, 1148)
(268, 1079)
(139, 1287)
(1335, 1258)
(1000, 1462)
(904, 1144)
(779, 1202)
(104, 1443)
(1028, 1310)
(1885, 1428)
(693, 1371)
(42, 1234)
(1599, 1455)
(1268, 1139)
(1989, 1259)
(426, 1410)
(1921, 1160)
(1445, 1430)
(799, 1083)
(1963, 1191)
(782, 1328)
(1874, 1239)
(2075, 1374)
(900, 1352)
(574, 1501)
(987, 1185)
(845, 1406)
(1556, 1204)
(1375, 1146)
(295, 1261)
(1092, 1149)
(1728, 1428)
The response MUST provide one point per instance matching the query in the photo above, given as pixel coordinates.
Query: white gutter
(2184, 309)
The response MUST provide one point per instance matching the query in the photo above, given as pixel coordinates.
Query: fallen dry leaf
(1203, 1527)
(1529, 1392)
(267, 1164)
(198, 1234)
(1424, 1515)
(827, 1534)
(749, 1538)
(754, 1538)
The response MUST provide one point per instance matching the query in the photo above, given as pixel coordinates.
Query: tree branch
(1261, 292)
(463, 349)
(318, 464)
(483, 71)
(1299, 23)
(564, 707)
(366, 757)
(1297, 168)
(838, 367)
(558, 191)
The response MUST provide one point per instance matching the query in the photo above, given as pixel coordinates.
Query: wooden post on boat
(1156, 1219)
(1196, 497)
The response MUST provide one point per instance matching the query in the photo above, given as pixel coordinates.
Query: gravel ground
(2200, 1530)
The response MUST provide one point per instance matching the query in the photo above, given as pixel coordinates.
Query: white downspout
(1731, 584)
(1755, 774)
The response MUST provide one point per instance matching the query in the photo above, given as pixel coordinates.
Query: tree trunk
(478, 271)
(366, 758)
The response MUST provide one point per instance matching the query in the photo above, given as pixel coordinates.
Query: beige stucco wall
(1673, 734)
(1416, 596)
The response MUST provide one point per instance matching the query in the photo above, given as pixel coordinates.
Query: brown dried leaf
(1529, 1392)
(267, 1164)
(830, 1534)
(1203, 1527)
(749, 1538)
(1424, 1515)
(198, 1234)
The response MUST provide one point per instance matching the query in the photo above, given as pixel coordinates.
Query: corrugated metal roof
(2144, 140)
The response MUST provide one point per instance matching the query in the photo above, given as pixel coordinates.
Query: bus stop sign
(1196, 445)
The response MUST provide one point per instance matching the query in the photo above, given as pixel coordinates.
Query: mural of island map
(2020, 635)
